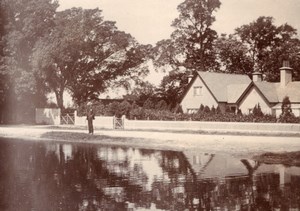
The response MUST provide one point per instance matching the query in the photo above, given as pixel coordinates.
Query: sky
(150, 20)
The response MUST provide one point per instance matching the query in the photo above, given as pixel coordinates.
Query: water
(57, 176)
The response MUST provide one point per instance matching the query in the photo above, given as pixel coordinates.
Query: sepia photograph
(150, 105)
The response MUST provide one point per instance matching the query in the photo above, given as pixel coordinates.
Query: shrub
(161, 105)
(257, 111)
(149, 104)
(178, 109)
(201, 109)
(137, 113)
(287, 115)
(213, 110)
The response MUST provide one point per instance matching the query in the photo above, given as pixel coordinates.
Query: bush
(257, 111)
(161, 105)
(287, 115)
(133, 111)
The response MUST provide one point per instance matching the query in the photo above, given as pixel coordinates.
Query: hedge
(133, 111)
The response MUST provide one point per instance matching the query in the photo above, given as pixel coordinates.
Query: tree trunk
(59, 99)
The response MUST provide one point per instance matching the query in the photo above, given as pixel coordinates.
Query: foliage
(257, 111)
(161, 105)
(191, 43)
(149, 103)
(232, 54)
(85, 54)
(268, 45)
(23, 22)
(143, 91)
(132, 111)
(287, 115)
(172, 87)
(193, 30)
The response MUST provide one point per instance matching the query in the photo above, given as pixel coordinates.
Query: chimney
(190, 77)
(257, 77)
(285, 74)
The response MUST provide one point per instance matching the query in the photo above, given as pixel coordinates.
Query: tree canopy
(268, 45)
(23, 22)
(84, 53)
(43, 50)
(191, 43)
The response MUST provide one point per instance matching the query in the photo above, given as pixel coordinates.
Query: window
(197, 90)
(192, 110)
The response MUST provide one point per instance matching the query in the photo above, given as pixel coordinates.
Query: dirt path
(212, 143)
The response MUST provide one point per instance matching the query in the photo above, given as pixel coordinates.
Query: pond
(63, 176)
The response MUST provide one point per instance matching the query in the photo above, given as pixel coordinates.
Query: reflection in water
(53, 176)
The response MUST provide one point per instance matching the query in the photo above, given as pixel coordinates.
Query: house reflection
(91, 177)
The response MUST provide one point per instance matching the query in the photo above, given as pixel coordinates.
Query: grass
(286, 158)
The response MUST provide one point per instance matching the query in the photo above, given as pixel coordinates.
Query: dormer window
(197, 90)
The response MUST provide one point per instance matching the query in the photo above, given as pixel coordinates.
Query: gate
(67, 119)
(118, 123)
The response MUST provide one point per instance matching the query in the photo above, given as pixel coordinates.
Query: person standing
(90, 117)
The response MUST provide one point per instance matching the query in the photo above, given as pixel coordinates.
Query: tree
(3, 74)
(257, 112)
(143, 91)
(233, 56)
(172, 87)
(259, 35)
(84, 54)
(191, 44)
(268, 45)
(287, 114)
(286, 50)
(23, 22)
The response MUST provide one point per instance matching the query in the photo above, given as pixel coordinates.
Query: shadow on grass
(76, 136)
(287, 158)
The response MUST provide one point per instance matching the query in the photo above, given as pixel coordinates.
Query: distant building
(239, 92)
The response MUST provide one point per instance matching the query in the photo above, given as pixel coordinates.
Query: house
(240, 92)
(213, 90)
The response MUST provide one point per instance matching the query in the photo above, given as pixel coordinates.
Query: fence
(49, 116)
(68, 119)
(110, 122)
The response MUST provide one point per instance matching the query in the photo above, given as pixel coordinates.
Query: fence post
(123, 121)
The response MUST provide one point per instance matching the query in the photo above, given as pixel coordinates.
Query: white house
(214, 89)
(239, 92)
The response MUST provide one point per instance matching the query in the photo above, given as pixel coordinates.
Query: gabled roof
(235, 91)
(292, 90)
(275, 93)
(222, 85)
(268, 90)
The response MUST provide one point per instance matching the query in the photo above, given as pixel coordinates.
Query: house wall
(191, 101)
(296, 111)
(252, 98)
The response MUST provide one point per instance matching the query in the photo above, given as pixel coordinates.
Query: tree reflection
(56, 176)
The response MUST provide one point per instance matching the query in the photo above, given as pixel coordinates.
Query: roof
(268, 90)
(275, 93)
(292, 90)
(223, 85)
(235, 91)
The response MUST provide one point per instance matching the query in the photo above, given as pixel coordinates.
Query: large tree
(3, 74)
(84, 54)
(191, 44)
(173, 86)
(24, 21)
(190, 48)
(268, 45)
(232, 54)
